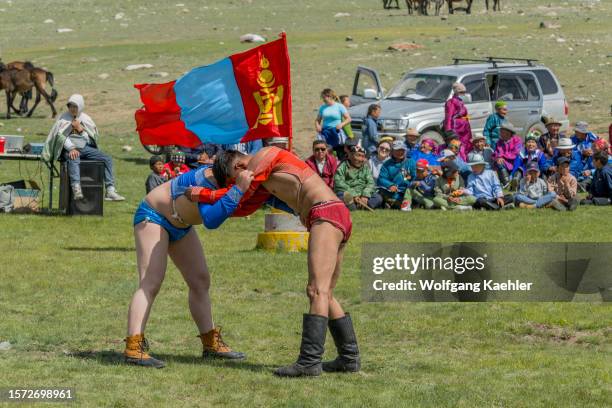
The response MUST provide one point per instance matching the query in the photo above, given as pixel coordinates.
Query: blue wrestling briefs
(144, 212)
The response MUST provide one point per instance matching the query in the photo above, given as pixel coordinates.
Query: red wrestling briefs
(334, 212)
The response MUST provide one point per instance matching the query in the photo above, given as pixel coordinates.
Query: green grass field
(65, 283)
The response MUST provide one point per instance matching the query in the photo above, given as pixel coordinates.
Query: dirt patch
(534, 332)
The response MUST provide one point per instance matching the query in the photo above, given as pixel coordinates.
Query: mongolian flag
(244, 97)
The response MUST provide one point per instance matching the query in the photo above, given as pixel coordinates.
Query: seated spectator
(550, 165)
(553, 131)
(412, 141)
(601, 145)
(202, 154)
(369, 131)
(158, 175)
(353, 182)
(449, 137)
(176, 166)
(455, 147)
(426, 151)
(448, 156)
(564, 185)
(377, 160)
(529, 153)
(600, 190)
(485, 187)
(506, 151)
(493, 125)
(479, 147)
(422, 186)
(323, 162)
(533, 191)
(331, 119)
(584, 141)
(450, 192)
(395, 177)
(567, 149)
(74, 137)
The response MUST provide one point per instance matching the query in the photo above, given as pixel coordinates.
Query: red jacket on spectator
(170, 168)
(329, 169)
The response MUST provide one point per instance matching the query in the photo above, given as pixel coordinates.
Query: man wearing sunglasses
(322, 162)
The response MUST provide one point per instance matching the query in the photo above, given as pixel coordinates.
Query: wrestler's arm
(213, 215)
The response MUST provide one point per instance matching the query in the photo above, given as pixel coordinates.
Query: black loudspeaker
(92, 185)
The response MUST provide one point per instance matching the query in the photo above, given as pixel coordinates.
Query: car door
(523, 95)
(478, 101)
(367, 87)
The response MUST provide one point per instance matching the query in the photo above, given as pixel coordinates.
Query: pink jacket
(508, 150)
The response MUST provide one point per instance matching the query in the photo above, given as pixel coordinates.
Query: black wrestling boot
(314, 329)
(348, 360)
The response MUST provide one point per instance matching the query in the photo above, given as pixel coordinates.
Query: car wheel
(433, 135)
(537, 128)
(154, 149)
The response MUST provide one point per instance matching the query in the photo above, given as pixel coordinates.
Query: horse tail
(51, 82)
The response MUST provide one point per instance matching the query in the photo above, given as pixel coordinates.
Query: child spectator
(506, 151)
(533, 191)
(345, 100)
(377, 160)
(412, 141)
(422, 186)
(564, 185)
(450, 192)
(354, 184)
(484, 186)
(158, 176)
(323, 162)
(600, 191)
(369, 131)
(601, 145)
(479, 147)
(493, 125)
(395, 176)
(567, 149)
(176, 166)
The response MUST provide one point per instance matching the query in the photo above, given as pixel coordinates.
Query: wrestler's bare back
(298, 195)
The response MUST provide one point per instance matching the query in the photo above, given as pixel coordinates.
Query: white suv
(417, 100)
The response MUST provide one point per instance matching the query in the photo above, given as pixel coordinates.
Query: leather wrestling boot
(348, 360)
(214, 346)
(314, 329)
(135, 353)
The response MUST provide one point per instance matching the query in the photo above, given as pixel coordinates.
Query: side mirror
(370, 93)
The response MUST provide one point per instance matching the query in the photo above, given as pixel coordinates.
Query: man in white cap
(485, 186)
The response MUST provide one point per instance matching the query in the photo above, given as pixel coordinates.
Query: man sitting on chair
(74, 137)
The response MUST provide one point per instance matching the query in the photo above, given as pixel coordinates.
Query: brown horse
(39, 77)
(15, 81)
(419, 5)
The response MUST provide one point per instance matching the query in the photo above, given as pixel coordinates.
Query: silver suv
(417, 101)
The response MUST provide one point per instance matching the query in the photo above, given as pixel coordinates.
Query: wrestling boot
(348, 360)
(314, 329)
(214, 346)
(136, 348)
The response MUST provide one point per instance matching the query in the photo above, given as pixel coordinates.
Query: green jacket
(357, 182)
(443, 189)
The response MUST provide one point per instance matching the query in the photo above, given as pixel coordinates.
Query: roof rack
(496, 60)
